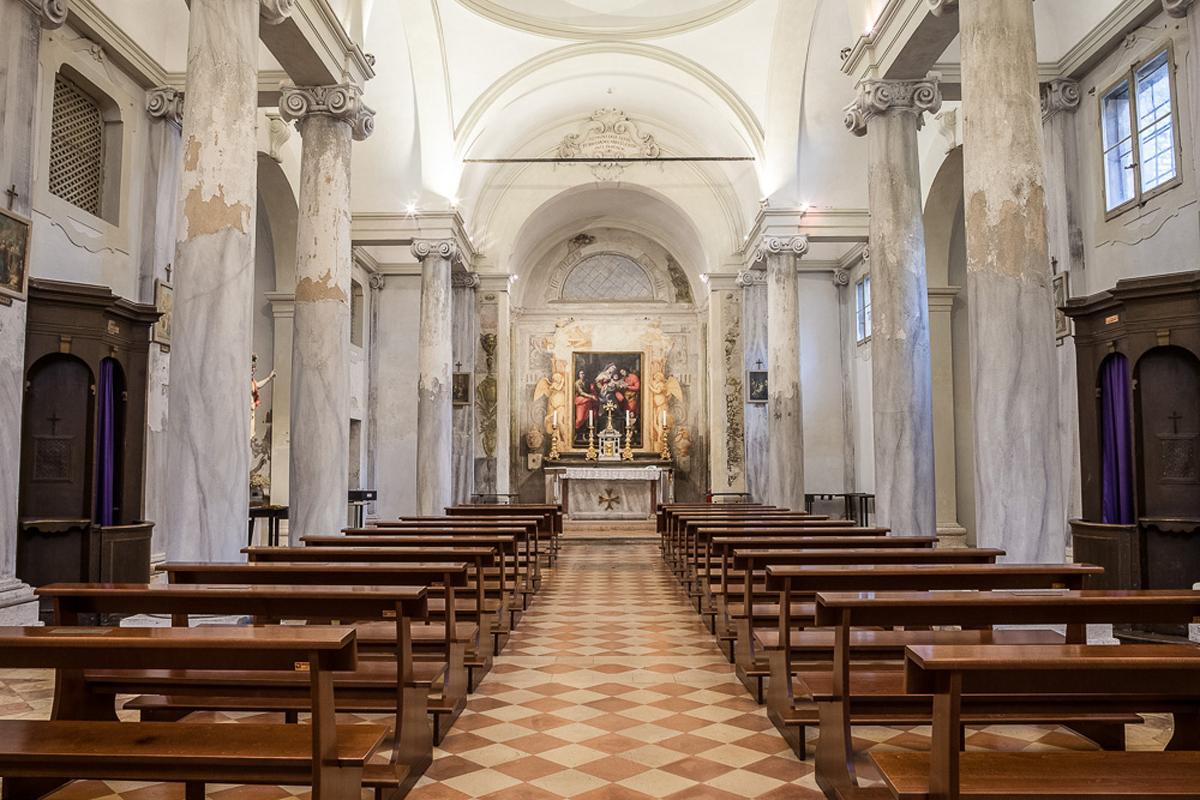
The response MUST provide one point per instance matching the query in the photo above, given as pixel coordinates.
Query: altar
(609, 493)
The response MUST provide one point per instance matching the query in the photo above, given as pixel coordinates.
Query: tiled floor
(609, 689)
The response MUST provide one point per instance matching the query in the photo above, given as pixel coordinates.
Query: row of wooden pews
(848, 626)
(401, 620)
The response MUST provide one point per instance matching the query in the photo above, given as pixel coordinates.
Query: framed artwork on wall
(14, 257)
(164, 295)
(756, 386)
(460, 389)
(1062, 293)
(607, 386)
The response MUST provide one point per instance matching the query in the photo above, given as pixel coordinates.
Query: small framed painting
(756, 386)
(460, 389)
(1062, 293)
(14, 256)
(163, 300)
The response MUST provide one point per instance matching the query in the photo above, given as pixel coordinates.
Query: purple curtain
(105, 443)
(1116, 445)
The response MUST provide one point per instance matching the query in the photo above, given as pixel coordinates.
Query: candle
(555, 425)
(590, 422)
(626, 419)
(664, 418)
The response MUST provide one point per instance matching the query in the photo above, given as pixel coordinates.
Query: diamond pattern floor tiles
(609, 689)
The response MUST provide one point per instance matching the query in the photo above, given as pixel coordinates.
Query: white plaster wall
(397, 320)
(864, 416)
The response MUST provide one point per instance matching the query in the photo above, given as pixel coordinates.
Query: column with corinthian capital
(1014, 372)
(785, 411)
(328, 118)
(208, 443)
(889, 113)
(435, 432)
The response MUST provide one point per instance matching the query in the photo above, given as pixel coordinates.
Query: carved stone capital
(165, 103)
(377, 282)
(774, 245)
(51, 13)
(943, 8)
(464, 280)
(751, 277)
(341, 101)
(436, 248)
(276, 11)
(1060, 94)
(841, 277)
(878, 97)
(1178, 8)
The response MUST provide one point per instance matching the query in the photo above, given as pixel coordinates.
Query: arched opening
(57, 441)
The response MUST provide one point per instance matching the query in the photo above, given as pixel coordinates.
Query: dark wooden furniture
(1131, 677)
(856, 505)
(85, 740)
(272, 514)
(1154, 322)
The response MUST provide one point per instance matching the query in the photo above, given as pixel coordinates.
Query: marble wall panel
(754, 347)
(393, 424)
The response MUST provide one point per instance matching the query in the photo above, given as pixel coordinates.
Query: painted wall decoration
(607, 387)
(14, 255)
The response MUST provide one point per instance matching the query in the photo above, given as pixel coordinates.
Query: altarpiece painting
(607, 389)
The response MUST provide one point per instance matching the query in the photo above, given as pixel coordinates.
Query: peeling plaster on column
(209, 435)
(1018, 470)
(435, 437)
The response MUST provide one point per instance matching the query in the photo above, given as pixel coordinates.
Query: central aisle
(611, 689)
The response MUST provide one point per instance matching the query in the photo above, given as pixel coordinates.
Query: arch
(278, 200)
(627, 27)
(626, 206)
(607, 276)
(943, 211)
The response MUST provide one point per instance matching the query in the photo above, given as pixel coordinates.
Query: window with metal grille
(76, 147)
(607, 276)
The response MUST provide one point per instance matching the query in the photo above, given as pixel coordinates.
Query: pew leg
(1108, 735)
(779, 706)
(745, 666)
(193, 790)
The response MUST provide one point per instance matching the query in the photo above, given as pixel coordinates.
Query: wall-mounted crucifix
(13, 194)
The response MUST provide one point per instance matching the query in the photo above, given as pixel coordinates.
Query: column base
(951, 536)
(18, 604)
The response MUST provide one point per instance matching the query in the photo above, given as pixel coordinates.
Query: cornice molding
(878, 97)
(341, 101)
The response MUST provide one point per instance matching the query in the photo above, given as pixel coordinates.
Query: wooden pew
(84, 740)
(450, 575)
(551, 529)
(791, 717)
(199, 689)
(1127, 677)
(529, 532)
(476, 624)
(523, 558)
(669, 518)
(752, 670)
(512, 579)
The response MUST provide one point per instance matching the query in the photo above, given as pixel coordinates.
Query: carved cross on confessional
(1175, 417)
(13, 194)
(458, 366)
(54, 419)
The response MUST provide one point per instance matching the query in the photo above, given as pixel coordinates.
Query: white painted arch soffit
(605, 19)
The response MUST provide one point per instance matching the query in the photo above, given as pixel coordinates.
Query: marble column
(757, 440)
(435, 432)
(889, 113)
(464, 340)
(328, 118)
(785, 411)
(20, 38)
(1018, 466)
(208, 441)
(726, 391)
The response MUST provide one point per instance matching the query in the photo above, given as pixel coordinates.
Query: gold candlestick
(553, 448)
(665, 453)
(591, 451)
(627, 453)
